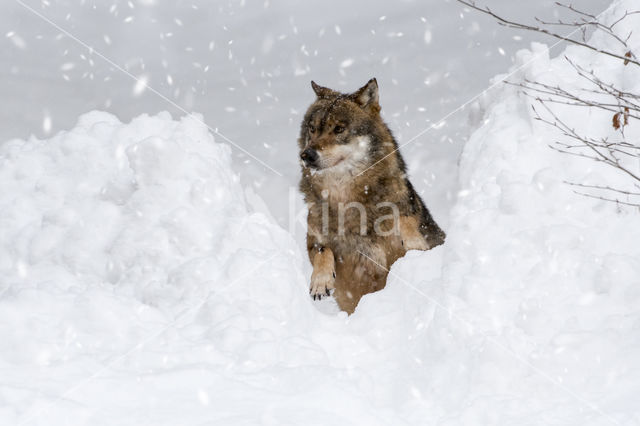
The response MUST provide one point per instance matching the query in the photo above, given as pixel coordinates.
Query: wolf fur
(363, 211)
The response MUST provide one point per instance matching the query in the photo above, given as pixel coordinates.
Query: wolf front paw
(415, 242)
(322, 284)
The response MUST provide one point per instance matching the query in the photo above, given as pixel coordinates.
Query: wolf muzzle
(310, 157)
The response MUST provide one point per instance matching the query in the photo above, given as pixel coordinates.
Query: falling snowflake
(141, 85)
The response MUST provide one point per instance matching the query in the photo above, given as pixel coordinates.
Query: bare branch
(631, 59)
(614, 200)
(596, 94)
(586, 142)
(604, 188)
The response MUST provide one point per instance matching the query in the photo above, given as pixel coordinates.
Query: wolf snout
(309, 156)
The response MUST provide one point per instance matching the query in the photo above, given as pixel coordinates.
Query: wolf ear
(322, 92)
(367, 95)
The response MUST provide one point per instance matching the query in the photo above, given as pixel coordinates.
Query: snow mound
(150, 208)
(113, 238)
(138, 289)
(540, 322)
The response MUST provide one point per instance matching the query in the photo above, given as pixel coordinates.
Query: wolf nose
(309, 156)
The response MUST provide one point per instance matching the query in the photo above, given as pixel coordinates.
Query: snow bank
(117, 235)
(540, 323)
(137, 289)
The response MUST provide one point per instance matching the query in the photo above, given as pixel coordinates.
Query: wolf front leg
(412, 238)
(323, 277)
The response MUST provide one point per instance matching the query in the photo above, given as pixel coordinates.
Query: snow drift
(137, 288)
(115, 236)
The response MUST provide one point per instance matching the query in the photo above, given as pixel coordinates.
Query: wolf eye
(338, 129)
(312, 128)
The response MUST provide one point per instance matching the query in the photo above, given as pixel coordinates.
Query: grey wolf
(364, 213)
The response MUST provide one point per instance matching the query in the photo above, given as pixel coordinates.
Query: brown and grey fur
(356, 159)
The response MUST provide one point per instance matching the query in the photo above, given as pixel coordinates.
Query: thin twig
(512, 24)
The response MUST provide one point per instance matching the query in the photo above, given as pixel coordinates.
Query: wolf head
(342, 133)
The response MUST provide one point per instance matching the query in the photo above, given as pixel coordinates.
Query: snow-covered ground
(144, 281)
